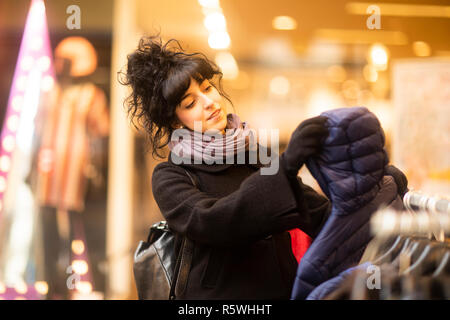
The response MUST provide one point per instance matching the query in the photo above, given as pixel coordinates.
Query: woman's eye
(190, 105)
(208, 88)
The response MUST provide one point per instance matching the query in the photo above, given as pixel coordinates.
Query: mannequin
(75, 116)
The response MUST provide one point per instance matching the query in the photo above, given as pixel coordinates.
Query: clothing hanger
(425, 258)
(397, 245)
(403, 260)
(443, 267)
(434, 251)
(395, 254)
(388, 242)
(377, 247)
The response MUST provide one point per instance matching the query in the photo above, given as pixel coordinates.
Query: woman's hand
(305, 142)
(399, 177)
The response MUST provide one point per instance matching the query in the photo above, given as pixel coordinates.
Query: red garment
(300, 242)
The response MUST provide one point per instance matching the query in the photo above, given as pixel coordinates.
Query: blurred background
(75, 178)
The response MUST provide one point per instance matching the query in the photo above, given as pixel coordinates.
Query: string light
(36, 44)
(47, 83)
(21, 83)
(17, 102)
(33, 69)
(27, 63)
(5, 163)
(12, 123)
(84, 287)
(78, 247)
(2, 184)
(21, 287)
(8, 143)
(41, 287)
(44, 63)
(80, 266)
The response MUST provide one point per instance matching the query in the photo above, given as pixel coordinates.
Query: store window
(54, 152)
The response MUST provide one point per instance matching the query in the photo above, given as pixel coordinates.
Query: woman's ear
(177, 125)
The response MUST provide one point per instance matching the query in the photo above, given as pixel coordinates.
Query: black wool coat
(238, 220)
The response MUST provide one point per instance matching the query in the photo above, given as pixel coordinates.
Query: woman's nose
(208, 102)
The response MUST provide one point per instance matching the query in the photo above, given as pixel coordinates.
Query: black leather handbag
(158, 273)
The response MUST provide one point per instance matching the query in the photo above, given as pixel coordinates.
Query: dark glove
(399, 177)
(305, 142)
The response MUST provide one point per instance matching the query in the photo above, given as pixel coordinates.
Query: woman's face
(203, 103)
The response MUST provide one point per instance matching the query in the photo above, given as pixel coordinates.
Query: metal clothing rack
(425, 215)
(417, 201)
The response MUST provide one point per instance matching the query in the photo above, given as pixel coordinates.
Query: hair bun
(155, 52)
(159, 75)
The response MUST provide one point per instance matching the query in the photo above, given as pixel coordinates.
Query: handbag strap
(183, 264)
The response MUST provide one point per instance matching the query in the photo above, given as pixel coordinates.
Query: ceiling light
(284, 23)
(378, 56)
(215, 22)
(219, 40)
(421, 49)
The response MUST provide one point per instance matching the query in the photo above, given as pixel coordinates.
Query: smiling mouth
(216, 113)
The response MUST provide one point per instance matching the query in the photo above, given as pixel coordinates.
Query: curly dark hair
(159, 75)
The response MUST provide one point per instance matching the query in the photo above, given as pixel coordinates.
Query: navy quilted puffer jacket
(351, 172)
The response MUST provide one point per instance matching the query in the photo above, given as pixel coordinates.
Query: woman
(237, 218)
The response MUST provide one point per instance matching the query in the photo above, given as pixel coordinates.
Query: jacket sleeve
(314, 207)
(263, 205)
